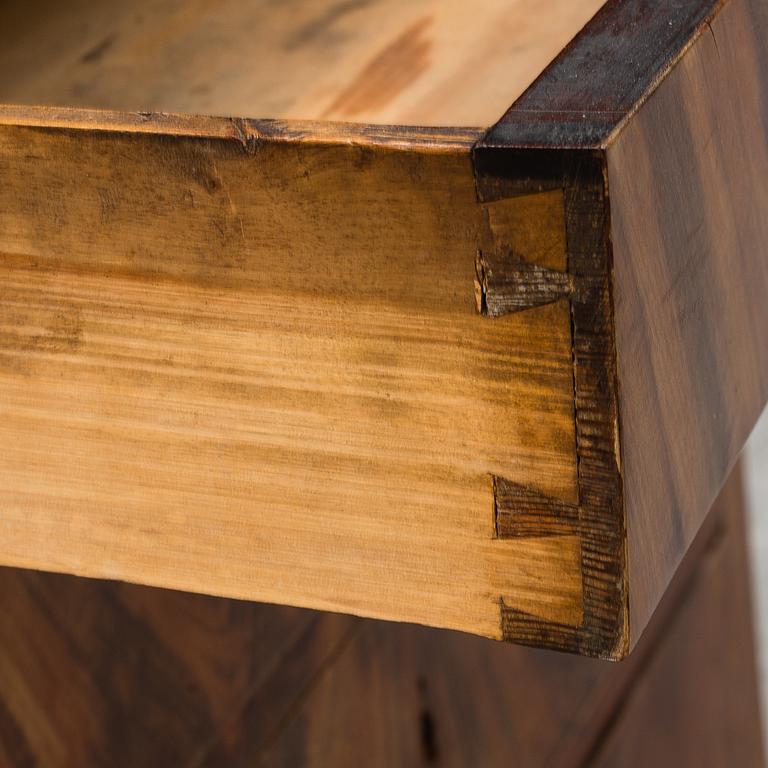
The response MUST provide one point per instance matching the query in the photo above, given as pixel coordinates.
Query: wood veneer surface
(689, 203)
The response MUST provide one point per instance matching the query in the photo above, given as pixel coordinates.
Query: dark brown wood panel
(696, 703)
(97, 673)
(600, 78)
(688, 178)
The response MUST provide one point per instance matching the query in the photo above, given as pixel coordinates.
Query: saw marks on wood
(429, 62)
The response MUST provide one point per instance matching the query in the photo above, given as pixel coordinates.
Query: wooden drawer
(487, 378)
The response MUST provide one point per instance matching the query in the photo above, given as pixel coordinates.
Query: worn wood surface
(429, 62)
(480, 380)
(597, 83)
(426, 699)
(257, 370)
(689, 205)
(104, 674)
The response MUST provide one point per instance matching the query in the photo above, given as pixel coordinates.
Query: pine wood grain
(476, 379)
(430, 62)
(257, 370)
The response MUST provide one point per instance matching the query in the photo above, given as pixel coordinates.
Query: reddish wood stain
(397, 66)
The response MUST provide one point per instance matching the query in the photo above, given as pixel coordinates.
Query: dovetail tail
(528, 630)
(504, 283)
(524, 512)
(507, 173)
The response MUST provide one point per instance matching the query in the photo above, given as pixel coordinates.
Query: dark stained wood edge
(248, 133)
(568, 119)
(689, 191)
(505, 283)
(520, 512)
(604, 74)
(604, 630)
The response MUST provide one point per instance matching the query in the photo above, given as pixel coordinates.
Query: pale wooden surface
(265, 377)
(423, 62)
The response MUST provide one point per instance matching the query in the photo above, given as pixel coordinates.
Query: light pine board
(423, 62)
(262, 374)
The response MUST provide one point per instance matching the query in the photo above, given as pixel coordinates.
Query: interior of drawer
(417, 62)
